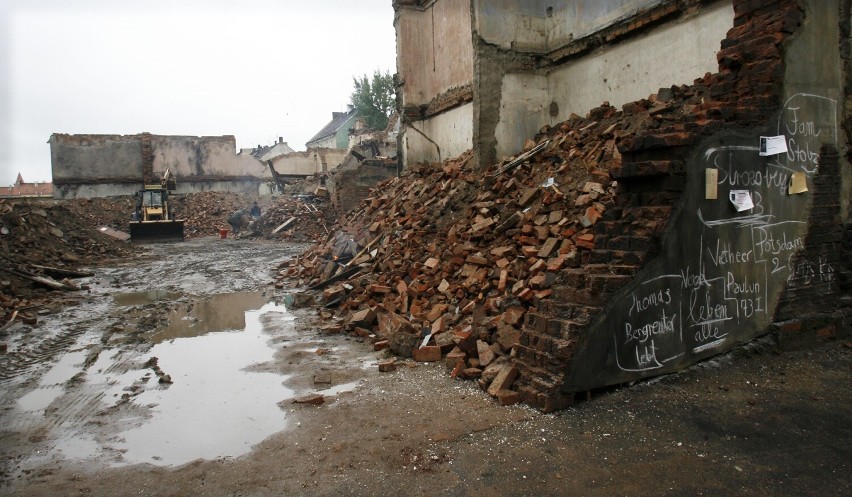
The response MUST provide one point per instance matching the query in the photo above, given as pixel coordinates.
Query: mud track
(177, 374)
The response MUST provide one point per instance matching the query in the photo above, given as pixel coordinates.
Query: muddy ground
(177, 372)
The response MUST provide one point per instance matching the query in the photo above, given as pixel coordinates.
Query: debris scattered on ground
(445, 262)
(296, 218)
(44, 247)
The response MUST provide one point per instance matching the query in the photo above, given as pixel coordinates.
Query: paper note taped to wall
(773, 145)
(798, 183)
(711, 183)
(741, 200)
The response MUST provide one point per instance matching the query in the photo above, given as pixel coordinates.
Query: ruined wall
(625, 72)
(107, 165)
(434, 76)
(434, 49)
(646, 303)
(309, 162)
(518, 93)
(452, 131)
(350, 186)
(195, 158)
(96, 158)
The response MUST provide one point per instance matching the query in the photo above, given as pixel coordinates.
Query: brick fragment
(387, 366)
(508, 397)
(428, 353)
(484, 353)
(504, 380)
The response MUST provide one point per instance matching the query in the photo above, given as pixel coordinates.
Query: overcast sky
(255, 69)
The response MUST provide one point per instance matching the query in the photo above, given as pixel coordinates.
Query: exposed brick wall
(816, 302)
(746, 93)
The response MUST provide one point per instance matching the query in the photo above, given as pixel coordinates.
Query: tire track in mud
(31, 356)
(24, 360)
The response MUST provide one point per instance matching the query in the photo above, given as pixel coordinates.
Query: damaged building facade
(485, 75)
(732, 218)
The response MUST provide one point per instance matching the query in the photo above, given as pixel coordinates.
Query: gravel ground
(84, 411)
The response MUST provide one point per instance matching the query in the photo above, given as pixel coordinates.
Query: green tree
(374, 99)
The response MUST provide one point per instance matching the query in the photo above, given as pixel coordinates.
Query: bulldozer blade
(156, 231)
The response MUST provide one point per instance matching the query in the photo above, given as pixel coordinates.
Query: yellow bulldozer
(153, 219)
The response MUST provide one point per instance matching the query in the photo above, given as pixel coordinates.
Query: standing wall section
(112, 165)
(675, 277)
(434, 77)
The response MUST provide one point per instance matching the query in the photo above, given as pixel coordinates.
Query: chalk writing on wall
(730, 280)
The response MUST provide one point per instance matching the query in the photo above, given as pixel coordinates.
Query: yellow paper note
(798, 183)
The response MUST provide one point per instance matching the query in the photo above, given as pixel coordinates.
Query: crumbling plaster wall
(193, 158)
(110, 165)
(452, 131)
(310, 162)
(576, 19)
(674, 54)
(617, 72)
(434, 49)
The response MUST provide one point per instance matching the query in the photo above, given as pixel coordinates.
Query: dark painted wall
(722, 275)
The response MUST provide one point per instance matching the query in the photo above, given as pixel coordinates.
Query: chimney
(280, 139)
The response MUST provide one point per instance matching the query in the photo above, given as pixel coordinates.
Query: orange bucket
(223, 233)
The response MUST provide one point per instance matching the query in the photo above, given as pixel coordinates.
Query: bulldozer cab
(153, 220)
(153, 205)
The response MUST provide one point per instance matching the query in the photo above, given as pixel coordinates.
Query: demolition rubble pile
(296, 218)
(445, 262)
(112, 212)
(205, 213)
(43, 248)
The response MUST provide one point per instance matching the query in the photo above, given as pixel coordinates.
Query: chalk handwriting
(727, 284)
(807, 272)
(662, 325)
(653, 299)
(725, 255)
(804, 135)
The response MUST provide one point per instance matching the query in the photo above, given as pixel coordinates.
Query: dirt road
(178, 372)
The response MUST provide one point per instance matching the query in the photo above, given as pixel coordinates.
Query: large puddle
(214, 408)
(220, 404)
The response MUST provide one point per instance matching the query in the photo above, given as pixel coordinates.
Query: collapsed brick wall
(534, 265)
(561, 350)
(351, 185)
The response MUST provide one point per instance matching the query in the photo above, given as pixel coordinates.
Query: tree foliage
(374, 98)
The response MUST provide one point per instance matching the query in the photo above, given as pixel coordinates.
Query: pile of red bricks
(299, 218)
(205, 213)
(461, 256)
(500, 272)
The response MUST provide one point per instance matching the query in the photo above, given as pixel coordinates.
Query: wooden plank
(61, 272)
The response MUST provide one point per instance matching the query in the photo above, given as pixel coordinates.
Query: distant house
(335, 134)
(265, 153)
(23, 189)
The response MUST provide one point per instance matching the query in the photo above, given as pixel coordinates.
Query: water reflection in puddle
(224, 311)
(215, 407)
(146, 297)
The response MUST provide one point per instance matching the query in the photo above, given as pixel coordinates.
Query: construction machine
(153, 219)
